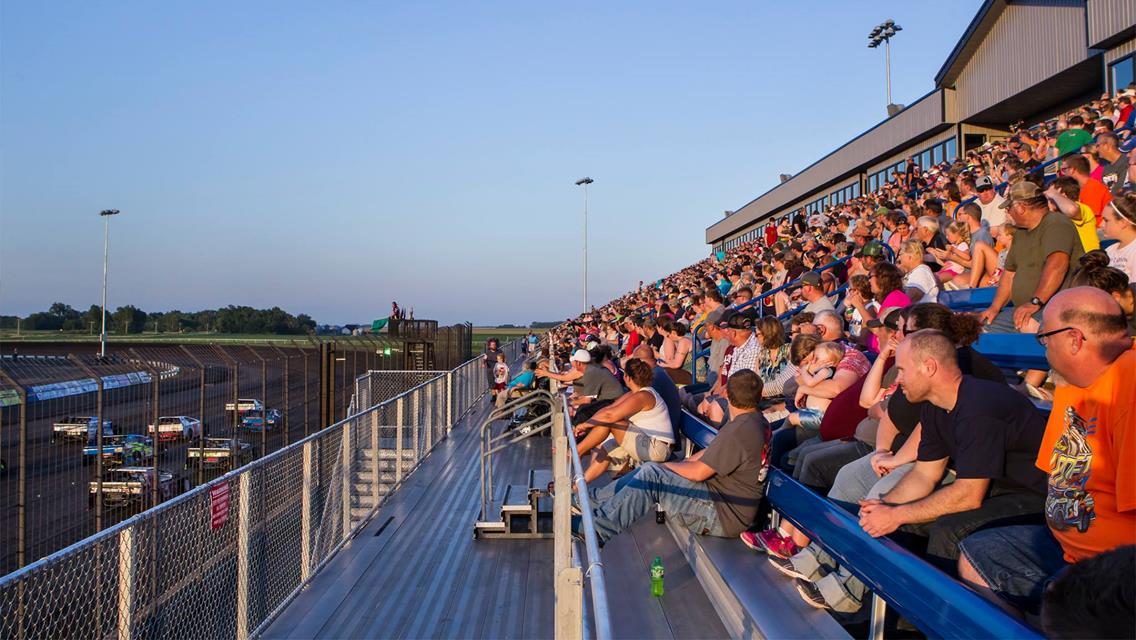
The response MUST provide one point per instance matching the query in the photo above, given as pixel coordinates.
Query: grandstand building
(1017, 61)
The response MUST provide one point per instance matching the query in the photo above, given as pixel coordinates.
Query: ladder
(523, 510)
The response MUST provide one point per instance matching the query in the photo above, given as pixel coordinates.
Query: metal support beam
(306, 515)
(125, 583)
(243, 555)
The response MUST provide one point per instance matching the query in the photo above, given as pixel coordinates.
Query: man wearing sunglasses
(1087, 452)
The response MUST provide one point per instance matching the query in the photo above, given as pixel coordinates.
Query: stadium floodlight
(883, 33)
(584, 182)
(105, 214)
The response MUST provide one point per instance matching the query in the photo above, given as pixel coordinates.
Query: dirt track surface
(57, 512)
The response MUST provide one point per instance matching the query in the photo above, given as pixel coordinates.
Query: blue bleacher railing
(938, 605)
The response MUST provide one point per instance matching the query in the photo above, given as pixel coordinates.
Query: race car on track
(79, 428)
(256, 421)
(133, 486)
(176, 428)
(219, 453)
(129, 450)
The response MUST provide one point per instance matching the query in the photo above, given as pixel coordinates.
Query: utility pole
(106, 214)
(584, 182)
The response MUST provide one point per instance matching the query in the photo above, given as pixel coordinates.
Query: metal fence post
(306, 516)
(125, 583)
(243, 555)
(449, 401)
(428, 416)
(569, 604)
(416, 419)
(201, 415)
(399, 414)
(376, 478)
(347, 488)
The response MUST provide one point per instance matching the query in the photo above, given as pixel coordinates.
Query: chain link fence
(215, 407)
(221, 559)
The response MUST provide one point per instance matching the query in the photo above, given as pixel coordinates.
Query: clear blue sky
(328, 157)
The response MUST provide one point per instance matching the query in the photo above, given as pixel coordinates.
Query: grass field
(481, 334)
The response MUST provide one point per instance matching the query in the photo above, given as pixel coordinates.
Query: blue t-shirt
(525, 380)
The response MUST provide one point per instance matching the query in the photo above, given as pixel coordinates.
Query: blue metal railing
(939, 606)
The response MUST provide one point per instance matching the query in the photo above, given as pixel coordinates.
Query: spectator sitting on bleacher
(988, 200)
(971, 214)
(1096, 272)
(954, 274)
(594, 387)
(1087, 451)
(675, 354)
(636, 427)
(1093, 192)
(741, 353)
(713, 492)
(811, 289)
(1039, 262)
(524, 381)
(1119, 223)
(919, 283)
(1116, 163)
(986, 433)
(804, 423)
(1063, 194)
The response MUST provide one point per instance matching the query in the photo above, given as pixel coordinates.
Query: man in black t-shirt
(991, 434)
(713, 492)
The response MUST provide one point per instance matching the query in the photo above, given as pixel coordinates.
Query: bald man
(989, 432)
(1087, 453)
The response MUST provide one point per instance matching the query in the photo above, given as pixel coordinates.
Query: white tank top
(656, 421)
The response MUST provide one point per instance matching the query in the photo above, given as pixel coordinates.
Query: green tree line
(130, 319)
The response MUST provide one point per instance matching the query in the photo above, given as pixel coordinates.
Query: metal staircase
(523, 510)
(372, 481)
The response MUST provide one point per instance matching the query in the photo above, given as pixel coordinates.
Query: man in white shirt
(990, 202)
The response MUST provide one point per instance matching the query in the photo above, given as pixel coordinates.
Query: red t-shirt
(632, 342)
(770, 235)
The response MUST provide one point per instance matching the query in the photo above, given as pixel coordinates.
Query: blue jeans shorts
(1017, 562)
(1004, 321)
(810, 420)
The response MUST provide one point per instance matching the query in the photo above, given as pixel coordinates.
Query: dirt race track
(57, 480)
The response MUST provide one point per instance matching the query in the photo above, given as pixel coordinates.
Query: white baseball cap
(581, 355)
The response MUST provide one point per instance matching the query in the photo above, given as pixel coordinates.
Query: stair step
(516, 500)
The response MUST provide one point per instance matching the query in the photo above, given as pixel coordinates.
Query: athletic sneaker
(777, 544)
(749, 538)
(811, 594)
(785, 566)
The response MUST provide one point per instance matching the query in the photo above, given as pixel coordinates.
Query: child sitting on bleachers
(826, 357)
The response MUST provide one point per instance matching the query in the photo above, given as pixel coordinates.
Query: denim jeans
(1016, 562)
(617, 506)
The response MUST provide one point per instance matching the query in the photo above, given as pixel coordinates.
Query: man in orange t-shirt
(1088, 450)
(1094, 194)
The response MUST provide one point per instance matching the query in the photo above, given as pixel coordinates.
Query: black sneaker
(785, 566)
(811, 594)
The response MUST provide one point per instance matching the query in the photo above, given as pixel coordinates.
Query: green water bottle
(657, 577)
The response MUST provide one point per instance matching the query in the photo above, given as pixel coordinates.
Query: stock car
(133, 486)
(176, 428)
(219, 453)
(245, 405)
(80, 428)
(256, 421)
(131, 449)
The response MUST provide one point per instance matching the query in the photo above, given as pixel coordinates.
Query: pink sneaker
(749, 539)
(776, 544)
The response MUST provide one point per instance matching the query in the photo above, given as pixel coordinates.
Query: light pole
(883, 33)
(584, 182)
(105, 214)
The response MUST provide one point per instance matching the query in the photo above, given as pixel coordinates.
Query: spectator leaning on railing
(1087, 451)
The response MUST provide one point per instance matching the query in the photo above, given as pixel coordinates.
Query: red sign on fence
(218, 505)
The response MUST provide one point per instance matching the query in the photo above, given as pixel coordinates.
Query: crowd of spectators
(823, 348)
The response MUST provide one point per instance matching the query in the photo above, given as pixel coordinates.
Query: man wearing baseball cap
(811, 287)
(1040, 263)
(990, 202)
(593, 386)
